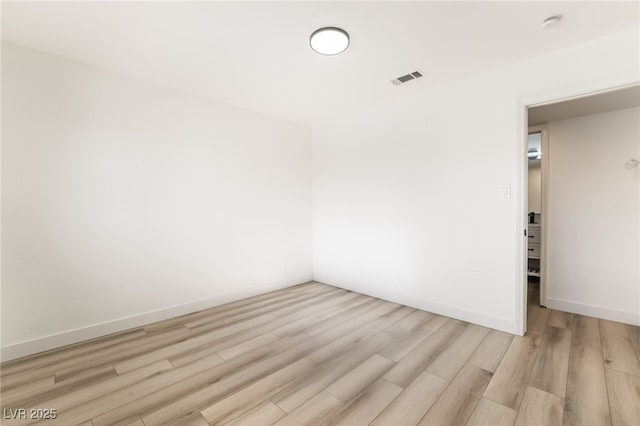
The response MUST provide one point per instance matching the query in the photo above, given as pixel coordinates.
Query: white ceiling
(256, 55)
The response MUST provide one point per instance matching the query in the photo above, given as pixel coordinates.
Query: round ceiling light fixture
(329, 40)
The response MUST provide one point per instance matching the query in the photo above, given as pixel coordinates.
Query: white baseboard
(594, 311)
(69, 337)
(497, 323)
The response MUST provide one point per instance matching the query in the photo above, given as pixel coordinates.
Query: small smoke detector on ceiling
(407, 77)
(550, 22)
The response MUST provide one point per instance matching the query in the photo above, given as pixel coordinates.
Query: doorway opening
(542, 120)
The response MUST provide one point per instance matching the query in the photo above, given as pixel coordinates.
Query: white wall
(535, 189)
(407, 199)
(593, 238)
(125, 202)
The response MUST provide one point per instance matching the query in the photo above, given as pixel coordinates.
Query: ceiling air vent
(407, 77)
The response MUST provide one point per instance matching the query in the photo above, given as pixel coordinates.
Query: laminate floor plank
(537, 318)
(294, 326)
(256, 301)
(624, 397)
(340, 306)
(360, 377)
(456, 355)
(585, 331)
(172, 412)
(281, 308)
(325, 374)
(405, 371)
(68, 404)
(511, 378)
(414, 402)
(335, 368)
(586, 401)
(120, 352)
(247, 346)
(435, 322)
(61, 387)
(247, 398)
(264, 414)
(490, 413)
(30, 387)
(224, 337)
(317, 354)
(236, 313)
(634, 335)
(618, 350)
(72, 399)
(147, 404)
(457, 402)
(375, 322)
(312, 412)
(539, 408)
(408, 343)
(329, 323)
(415, 320)
(490, 352)
(59, 355)
(112, 400)
(363, 408)
(550, 370)
(560, 319)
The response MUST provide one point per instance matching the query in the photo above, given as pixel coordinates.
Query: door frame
(522, 170)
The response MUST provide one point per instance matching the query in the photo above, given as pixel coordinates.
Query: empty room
(318, 213)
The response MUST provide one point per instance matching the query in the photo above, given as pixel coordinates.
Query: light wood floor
(315, 354)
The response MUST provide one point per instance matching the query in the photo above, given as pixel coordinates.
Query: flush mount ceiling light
(329, 40)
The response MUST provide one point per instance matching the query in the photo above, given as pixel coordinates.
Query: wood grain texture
(539, 408)
(30, 387)
(457, 402)
(618, 350)
(435, 322)
(488, 412)
(367, 405)
(327, 373)
(312, 412)
(560, 319)
(585, 331)
(246, 398)
(550, 370)
(634, 336)
(491, 350)
(407, 344)
(264, 414)
(451, 360)
(352, 383)
(405, 371)
(413, 403)
(586, 401)
(624, 397)
(512, 376)
(537, 318)
(314, 354)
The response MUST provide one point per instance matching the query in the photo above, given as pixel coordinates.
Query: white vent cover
(407, 77)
